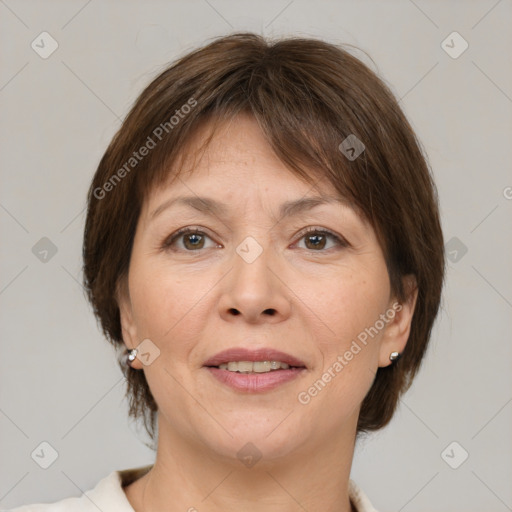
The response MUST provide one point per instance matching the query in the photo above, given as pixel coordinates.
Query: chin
(259, 441)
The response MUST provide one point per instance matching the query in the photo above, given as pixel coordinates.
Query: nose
(254, 291)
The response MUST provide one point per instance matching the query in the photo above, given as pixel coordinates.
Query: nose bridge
(252, 288)
(251, 264)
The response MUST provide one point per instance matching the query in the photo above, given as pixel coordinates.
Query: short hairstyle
(308, 96)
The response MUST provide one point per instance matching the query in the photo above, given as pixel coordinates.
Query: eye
(193, 239)
(316, 239)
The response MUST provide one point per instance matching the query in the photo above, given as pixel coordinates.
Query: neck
(186, 476)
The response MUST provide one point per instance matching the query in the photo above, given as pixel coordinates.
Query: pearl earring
(394, 356)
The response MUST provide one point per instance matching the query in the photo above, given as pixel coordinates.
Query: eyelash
(169, 241)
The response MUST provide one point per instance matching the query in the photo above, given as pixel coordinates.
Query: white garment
(108, 496)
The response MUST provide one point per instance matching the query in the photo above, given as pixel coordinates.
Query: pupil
(315, 240)
(317, 237)
(190, 238)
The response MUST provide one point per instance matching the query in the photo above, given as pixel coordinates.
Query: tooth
(253, 367)
(244, 366)
(261, 367)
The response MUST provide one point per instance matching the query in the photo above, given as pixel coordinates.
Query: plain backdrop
(60, 383)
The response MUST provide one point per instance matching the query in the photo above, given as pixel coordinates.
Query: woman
(263, 246)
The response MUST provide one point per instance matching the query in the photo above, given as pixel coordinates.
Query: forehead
(233, 159)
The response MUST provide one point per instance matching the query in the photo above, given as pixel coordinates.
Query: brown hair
(308, 96)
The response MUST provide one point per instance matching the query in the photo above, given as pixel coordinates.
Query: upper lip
(259, 354)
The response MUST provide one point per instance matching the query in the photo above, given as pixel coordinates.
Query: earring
(132, 354)
(394, 356)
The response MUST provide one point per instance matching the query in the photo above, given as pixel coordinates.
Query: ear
(128, 326)
(398, 328)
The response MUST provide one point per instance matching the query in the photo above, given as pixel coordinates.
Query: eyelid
(173, 237)
(340, 240)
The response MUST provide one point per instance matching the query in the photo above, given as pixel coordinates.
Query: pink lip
(255, 382)
(260, 354)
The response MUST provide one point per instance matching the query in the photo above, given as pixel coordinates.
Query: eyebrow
(212, 207)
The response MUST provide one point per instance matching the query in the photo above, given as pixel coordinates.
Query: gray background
(59, 378)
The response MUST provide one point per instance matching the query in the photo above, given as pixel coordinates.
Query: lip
(255, 382)
(260, 354)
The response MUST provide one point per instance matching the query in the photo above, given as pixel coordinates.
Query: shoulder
(108, 495)
(359, 498)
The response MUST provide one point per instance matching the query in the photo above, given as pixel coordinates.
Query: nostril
(270, 312)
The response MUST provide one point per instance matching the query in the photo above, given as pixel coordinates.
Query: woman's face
(253, 278)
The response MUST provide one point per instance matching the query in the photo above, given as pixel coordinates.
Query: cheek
(152, 295)
(354, 302)
(168, 304)
(349, 355)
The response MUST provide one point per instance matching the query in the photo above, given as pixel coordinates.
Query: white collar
(109, 494)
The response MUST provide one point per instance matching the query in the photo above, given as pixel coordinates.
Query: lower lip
(255, 382)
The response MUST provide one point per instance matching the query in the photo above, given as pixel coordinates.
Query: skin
(186, 304)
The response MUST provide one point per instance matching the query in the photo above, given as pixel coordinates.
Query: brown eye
(317, 239)
(192, 240)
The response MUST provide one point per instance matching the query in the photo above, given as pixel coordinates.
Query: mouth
(262, 360)
(254, 371)
(255, 366)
